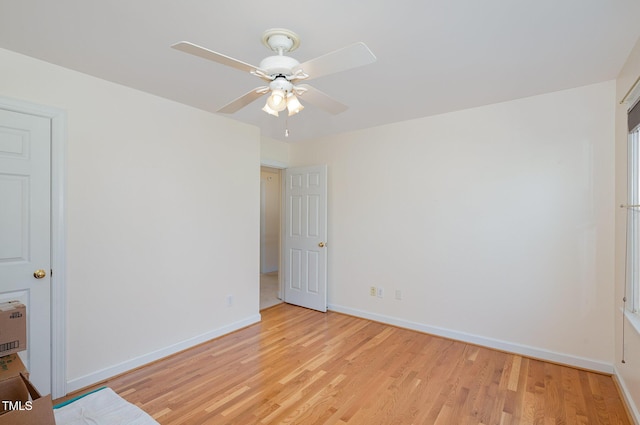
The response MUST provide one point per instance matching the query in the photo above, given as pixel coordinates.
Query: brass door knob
(321, 244)
(39, 274)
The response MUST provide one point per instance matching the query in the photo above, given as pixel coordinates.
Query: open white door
(305, 250)
(25, 232)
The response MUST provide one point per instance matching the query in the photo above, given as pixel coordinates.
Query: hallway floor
(269, 290)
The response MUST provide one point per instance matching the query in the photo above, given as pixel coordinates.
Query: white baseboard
(633, 409)
(101, 375)
(496, 344)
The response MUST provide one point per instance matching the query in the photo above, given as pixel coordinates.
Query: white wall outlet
(229, 300)
(398, 294)
(380, 292)
(373, 291)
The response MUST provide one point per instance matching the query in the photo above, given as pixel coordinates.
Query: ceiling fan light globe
(277, 100)
(269, 111)
(293, 105)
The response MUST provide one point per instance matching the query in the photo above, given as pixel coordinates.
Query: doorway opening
(270, 206)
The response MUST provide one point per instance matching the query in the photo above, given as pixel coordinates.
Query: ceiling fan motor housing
(278, 65)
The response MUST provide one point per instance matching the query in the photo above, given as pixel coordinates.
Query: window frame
(633, 239)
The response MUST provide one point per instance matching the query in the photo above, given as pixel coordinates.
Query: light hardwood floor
(303, 367)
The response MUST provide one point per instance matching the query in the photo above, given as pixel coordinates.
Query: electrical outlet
(372, 291)
(398, 294)
(229, 300)
(380, 292)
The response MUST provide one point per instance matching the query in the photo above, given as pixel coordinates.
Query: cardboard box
(11, 366)
(22, 404)
(13, 327)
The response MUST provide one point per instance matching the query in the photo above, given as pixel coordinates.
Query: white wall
(162, 213)
(629, 372)
(496, 223)
(274, 153)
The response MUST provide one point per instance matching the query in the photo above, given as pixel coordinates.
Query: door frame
(281, 166)
(58, 119)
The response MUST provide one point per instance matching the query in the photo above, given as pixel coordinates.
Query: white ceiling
(434, 56)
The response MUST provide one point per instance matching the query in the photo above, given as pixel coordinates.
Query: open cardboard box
(11, 366)
(22, 404)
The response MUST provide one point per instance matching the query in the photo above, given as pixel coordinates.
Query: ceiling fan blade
(349, 57)
(194, 49)
(243, 100)
(320, 99)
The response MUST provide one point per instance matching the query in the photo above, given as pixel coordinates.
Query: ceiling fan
(283, 73)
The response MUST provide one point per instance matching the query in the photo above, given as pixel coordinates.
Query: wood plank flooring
(303, 367)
